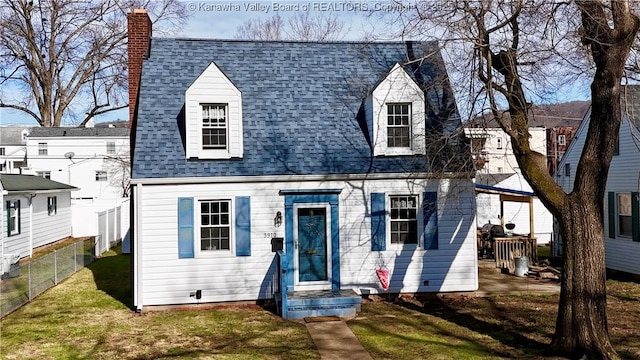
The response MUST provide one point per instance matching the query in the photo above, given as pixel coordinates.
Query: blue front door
(312, 245)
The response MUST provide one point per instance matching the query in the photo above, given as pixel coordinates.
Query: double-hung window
(215, 225)
(399, 125)
(111, 148)
(13, 217)
(624, 215)
(404, 221)
(52, 205)
(214, 126)
(42, 149)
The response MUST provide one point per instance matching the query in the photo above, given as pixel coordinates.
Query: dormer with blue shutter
(213, 117)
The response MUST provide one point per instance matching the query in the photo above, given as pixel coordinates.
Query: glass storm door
(312, 250)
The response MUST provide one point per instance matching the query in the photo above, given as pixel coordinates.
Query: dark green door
(312, 244)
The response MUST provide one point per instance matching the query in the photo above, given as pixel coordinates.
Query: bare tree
(60, 58)
(119, 169)
(509, 52)
(256, 29)
(301, 26)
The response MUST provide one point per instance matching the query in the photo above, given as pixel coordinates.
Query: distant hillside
(551, 115)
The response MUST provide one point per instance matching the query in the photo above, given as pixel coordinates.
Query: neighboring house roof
(303, 106)
(78, 132)
(492, 179)
(567, 114)
(15, 182)
(12, 135)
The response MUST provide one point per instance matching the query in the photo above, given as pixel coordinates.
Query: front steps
(301, 304)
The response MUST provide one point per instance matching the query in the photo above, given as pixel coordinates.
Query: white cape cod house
(621, 204)
(295, 170)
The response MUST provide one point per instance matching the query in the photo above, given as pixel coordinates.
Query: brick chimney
(139, 27)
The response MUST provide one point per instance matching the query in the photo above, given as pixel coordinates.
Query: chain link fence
(22, 283)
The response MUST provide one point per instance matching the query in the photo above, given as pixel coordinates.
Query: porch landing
(301, 304)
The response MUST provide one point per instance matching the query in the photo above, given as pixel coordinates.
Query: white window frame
(14, 217)
(562, 140)
(623, 209)
(198, 227)
(499, 142)
(225, 108)
(389, 198)
(111, 148)
(101, 175)
(409, 125)
(52, 205)
(43, 149)
(2, 151)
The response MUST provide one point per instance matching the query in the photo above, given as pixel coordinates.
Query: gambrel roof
(303, 106)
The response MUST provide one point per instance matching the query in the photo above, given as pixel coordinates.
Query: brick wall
(139, 27)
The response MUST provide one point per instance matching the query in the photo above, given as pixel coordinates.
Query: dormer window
(399, 125)
(397, 111)
(213, 117)
(214, 126)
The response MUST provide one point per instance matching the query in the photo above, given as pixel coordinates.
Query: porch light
(277, 221)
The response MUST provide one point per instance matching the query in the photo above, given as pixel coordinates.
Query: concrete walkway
(335, 341)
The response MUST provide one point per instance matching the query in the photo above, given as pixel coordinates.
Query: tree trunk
(581, 326)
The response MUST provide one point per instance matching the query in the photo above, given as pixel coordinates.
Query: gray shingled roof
(15, 182)
(77, 132)
(12, 135)
(302, 105)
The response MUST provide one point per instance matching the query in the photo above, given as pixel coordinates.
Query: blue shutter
(430, 216)
(185, 228)
(378, 222)
(635, 221)
(243, 226)
(612, 214)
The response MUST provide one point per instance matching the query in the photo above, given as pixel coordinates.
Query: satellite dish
(69, 155)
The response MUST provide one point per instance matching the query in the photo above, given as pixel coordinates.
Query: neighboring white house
(35, 212)
(497, 166)
(13, 149)
(91, 159)
(315, 149)
(621, 203)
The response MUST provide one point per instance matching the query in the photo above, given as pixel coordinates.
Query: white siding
(213, 87)
(90, 155)
(44, 230)
(162, 278)
(48, 229)
(624, 177)
(398, 87)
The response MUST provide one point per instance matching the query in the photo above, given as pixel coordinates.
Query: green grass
(88, 316)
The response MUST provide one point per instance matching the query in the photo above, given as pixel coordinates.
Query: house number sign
(270, 235)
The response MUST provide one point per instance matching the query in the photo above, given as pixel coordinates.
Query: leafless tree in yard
(301, 26)
(515, 52)
(119, 170)
(66, 59)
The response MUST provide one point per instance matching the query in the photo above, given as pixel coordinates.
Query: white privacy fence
(104, 220)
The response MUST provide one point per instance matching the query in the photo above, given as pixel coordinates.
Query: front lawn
(463, 327)
(88, 317)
